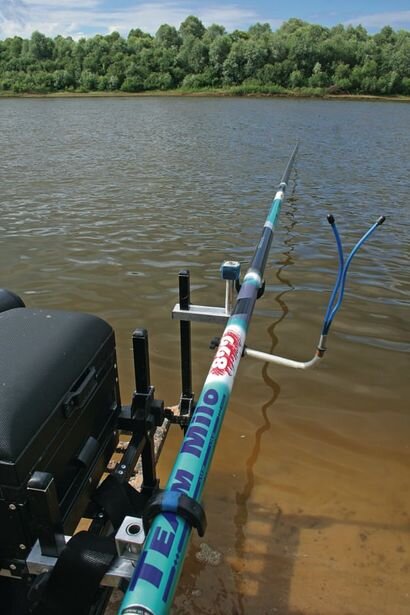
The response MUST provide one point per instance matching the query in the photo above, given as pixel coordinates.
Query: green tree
(342, 77)
(192, 26)
(260, 30)
(41, 47)
(400, 56)
(167, 36)
(218, 52)
(132, 84)
(213, 33)
(296, 55)
(62, 80)
(296, 79)
(192, 56)
(245, 58)
(63, 51)
(318, 78)
(14, 46)
(88, 80)
(158, 81)
(203, 80)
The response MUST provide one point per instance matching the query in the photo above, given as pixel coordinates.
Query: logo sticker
(228, 351)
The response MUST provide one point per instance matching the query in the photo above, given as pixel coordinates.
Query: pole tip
(330, 219)
(381, 220)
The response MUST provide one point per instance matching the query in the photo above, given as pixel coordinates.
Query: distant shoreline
(206, 93)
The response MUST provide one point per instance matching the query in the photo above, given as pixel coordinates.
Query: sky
(79, 18)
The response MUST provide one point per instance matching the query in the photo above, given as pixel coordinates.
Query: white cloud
(74, 17)
(378, 20)
(230, 15)
(149, 16)
(77, 18)
(57, 4)
(12, 12)
(22, 17)
(11, 18)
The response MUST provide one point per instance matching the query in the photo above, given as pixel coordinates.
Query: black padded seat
(41, 356)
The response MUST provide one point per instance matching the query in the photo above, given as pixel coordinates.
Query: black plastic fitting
(178, 503)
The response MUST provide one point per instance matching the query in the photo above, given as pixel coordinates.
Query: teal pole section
(153, 584)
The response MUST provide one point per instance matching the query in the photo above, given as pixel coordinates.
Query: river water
(103, 201)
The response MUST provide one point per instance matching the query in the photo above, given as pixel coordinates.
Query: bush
(88, 81)
(202, 80)
(158, 81)
(132, 84)
(336, 90)
(405, 85)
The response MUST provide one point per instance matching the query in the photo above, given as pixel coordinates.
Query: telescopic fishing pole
(172, 513)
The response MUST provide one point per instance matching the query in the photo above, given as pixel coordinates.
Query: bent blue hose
(332, 223)
(342, 282)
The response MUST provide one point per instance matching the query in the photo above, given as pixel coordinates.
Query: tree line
(298, 56)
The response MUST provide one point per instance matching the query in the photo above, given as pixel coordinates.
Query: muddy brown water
(104, 201)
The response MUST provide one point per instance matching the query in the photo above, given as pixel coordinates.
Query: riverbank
(238, 91)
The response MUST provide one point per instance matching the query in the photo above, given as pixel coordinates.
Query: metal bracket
(230, 272)
(200, 313)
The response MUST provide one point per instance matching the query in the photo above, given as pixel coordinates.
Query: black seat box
(59, 403)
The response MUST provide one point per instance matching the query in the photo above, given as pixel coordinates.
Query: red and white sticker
(227, 354)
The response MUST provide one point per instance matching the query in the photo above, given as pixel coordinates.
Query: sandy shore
(207, 93)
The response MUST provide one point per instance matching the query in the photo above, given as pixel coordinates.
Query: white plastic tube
(272, 358)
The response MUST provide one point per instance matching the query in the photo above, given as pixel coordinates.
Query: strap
(118, 500)
(71, 587)
(75, 579)
(179, 503)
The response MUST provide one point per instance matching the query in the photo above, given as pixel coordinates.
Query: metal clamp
(130, 537)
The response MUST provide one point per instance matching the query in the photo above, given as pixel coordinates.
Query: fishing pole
(172, 513)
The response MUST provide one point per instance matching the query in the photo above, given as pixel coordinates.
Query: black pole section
(141, 361)
(144, 395)
(149, 474)
(287, 171)
(261, 254)
(185, 337)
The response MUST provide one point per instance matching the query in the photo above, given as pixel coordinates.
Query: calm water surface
(104, 201)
